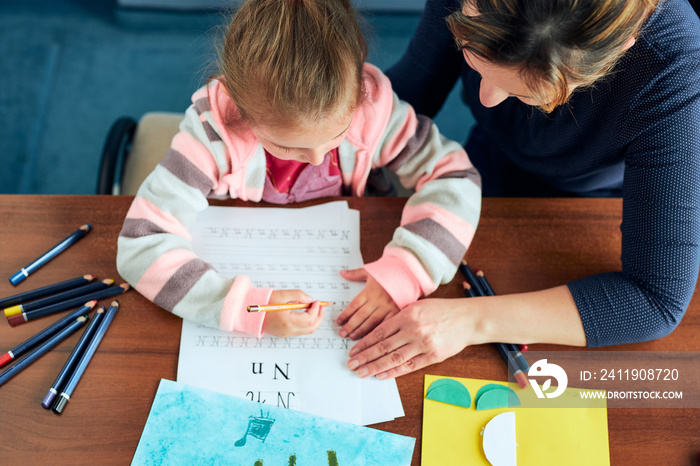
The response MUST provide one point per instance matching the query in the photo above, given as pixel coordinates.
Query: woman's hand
(424, 333)
(292, 323)
(368, 309)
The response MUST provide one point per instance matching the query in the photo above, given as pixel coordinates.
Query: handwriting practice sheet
(286, 249)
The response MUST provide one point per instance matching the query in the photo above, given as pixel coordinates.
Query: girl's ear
(223, 88)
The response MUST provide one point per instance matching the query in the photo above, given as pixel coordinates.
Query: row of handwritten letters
(286, 248)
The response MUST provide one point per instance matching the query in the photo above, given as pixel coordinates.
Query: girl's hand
(292, 323)
(423, 333)
(369, 308)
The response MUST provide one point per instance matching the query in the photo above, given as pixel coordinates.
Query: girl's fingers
(356, 320)
(373, 319)
(355, 275)
(350, 310)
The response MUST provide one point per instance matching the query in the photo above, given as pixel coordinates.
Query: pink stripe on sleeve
(143, 209)
(160, 271)
(462, 230)
(402, 276)
(452, 162)
(398, 140)
(193, 150)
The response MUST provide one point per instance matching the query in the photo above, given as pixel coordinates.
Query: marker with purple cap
(74, 358)
(61, 402)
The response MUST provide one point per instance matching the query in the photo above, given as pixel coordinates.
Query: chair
(132, 150)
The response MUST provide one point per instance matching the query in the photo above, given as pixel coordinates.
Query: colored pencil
(43, 335)
(43, 349)
(518, 374)
(481, 278)
(284, 307)
(73, 359)
(62, 306)
(468, 291)
(50, 254)
(518, 355)
(58, 298)
(504, 349)
(73, 380)
(44, 291)
(471, 278)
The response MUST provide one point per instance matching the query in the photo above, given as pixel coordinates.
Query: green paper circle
(449, 391)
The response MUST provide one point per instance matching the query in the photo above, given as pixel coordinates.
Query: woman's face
(498, 82)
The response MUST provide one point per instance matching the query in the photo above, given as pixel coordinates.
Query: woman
(595, 98)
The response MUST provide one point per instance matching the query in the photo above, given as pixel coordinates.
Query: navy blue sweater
(635, 134)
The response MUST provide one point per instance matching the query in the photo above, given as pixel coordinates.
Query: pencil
(484, 283)
(58, 298)
(44, 291)
(518, 374)
(471, 278)
(43, 349)
(62, 306)
(50, 254)
(73, 359)
(284, 307)
(504, 349)
(518, 355)
(468, 291)
(42, 336)
(60, 402)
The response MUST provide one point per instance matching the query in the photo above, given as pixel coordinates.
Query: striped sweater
(210, 160)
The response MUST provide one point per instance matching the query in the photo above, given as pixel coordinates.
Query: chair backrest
(152, 139)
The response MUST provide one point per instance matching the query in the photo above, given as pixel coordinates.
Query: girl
(296, 114)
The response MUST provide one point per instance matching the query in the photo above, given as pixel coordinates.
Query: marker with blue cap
(50, 254)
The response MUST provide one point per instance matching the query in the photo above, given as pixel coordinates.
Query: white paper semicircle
(499, 440)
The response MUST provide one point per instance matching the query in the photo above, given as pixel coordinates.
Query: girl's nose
(315, 157)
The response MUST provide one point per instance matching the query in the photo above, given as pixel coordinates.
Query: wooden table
(523, 244)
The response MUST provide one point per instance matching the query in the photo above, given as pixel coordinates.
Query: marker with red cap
(43, 349)
(44, 335)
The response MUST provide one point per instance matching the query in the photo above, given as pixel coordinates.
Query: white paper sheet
(286, 249)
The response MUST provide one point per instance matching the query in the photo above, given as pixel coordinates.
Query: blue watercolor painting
(191, 426)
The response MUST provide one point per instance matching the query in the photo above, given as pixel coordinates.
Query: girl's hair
(554, 44)
(288, 62)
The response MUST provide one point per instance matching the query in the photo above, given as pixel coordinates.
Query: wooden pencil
(284, 307)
